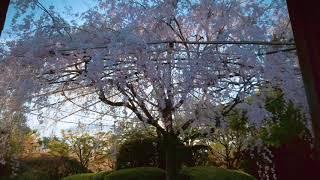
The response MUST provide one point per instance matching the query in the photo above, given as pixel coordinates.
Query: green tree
(227, 143)
(86, 147)
(287, 122)
(58, 148)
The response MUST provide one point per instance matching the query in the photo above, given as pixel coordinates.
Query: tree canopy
(153, 61)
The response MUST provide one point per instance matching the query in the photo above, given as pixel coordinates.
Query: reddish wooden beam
(305, 21)
(3, 12)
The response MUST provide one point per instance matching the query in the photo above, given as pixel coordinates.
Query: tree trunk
(172, 168)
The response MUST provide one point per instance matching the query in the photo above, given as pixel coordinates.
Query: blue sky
(77, 6)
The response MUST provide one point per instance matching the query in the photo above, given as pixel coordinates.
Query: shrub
(141, 173)
(212, 173)
(54, 167)
(101, 175)
(150, 152)
(30, 175)
(84, 176)
(88, 176)
(137, 153)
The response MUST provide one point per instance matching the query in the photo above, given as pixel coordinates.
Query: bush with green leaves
(141, 173)
(150, 152)
(212, 173)
(88, 176)
(53, 167)
(83, 176)
(288, 140)
(287, 123)
(28, 175)
(138, 153)
(101, 175)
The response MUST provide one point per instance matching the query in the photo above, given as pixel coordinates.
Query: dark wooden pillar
(4, 4)
(305, 20)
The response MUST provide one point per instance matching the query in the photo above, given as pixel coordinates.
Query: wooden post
(3, 13)
(305, 21)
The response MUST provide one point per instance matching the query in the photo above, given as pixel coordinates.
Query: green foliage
(84, 176)
(33, 175)
(286, 136)
(288, 123)
(138, 153)
(130, 130)
(150, 151)
(53, 167)
(58, 148)
(88, 176)
(199, 155)
(45, 141)
(81, 145)
(94, 151)
(238, 122)
(212, 173)
(141, 173)
(85, 146)
(30, 175)
(12, 125)
(101, 175)
(228, 143)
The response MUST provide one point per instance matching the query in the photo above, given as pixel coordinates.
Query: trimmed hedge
(212, 173)
(88, 176)
(84, 176)
(141, 173)
(101, 175)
